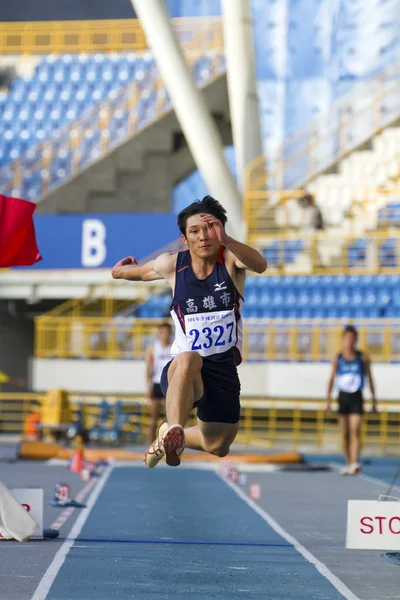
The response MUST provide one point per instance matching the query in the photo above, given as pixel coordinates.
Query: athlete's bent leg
(185, 386)
(214, 438)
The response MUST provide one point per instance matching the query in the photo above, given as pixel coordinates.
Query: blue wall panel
(100, 240)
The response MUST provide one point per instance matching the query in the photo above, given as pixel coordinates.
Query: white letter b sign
(94, 250)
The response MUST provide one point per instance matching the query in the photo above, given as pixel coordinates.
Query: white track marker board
(32, 500)
(373, 525)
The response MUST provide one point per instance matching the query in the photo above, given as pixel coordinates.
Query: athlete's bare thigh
(194, 372)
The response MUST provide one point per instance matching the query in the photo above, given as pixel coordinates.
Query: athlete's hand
(374, 408)
(328, 407)
(216, 229)
(129, 260)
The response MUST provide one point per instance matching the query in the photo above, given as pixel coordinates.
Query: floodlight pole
(242, 83)
(191, 110)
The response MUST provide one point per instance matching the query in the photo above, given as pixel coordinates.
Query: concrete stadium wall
(288, 380)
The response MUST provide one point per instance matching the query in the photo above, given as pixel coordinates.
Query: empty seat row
(61, 90)
(313, 297)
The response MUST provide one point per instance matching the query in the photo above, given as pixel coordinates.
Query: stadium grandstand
(115, 117)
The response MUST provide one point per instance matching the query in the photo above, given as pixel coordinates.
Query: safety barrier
(330, 253)
(271, 212)
(330, 137)
(273, 422)
(310, 340)
(15, 408)
(108, 35)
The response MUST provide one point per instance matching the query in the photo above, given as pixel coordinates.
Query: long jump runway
(186, 533)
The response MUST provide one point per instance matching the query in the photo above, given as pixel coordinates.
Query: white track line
(320, 566)
(57, 562)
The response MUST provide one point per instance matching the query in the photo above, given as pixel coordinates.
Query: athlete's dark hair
(208, 206)
(350, 329)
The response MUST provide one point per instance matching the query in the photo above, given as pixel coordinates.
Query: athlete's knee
(220, 448)
(189, 362)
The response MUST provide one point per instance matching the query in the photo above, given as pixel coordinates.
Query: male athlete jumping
(207, 282)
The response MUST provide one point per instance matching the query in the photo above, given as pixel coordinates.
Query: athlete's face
(200, 240)
(349, 341)
(164, 335)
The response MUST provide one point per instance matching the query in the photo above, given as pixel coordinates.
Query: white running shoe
(354, 469)
(345, 470)
(170, 443)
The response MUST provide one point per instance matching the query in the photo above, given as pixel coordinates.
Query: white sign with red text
(373, 525)
(32, 500)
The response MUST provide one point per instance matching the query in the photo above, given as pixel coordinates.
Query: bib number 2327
(212, 338)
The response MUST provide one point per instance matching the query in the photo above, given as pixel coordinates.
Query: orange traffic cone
(77, 461)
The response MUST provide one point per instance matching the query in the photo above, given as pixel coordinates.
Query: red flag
(17, 234)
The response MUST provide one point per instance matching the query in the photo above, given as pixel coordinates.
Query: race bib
(349, 382)
(211, 333)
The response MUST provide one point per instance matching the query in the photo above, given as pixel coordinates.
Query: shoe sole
(173, 440)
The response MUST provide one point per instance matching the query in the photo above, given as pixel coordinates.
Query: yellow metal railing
(270, 422)
(111, 35)
(271, 340)
(269, 212)
(88, 138)
(332, 136)
(327, 253)
(14, 408)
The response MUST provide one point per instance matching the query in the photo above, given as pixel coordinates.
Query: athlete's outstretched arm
(162, 267)
(129, 269)
(244, 256)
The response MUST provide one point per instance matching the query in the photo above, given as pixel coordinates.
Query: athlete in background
(349, 368)
(207, 281)
(157, 355)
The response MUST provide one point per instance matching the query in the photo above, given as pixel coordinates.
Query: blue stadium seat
(251, 300)
(389, 215)
(387, 254)
(357, 253)
(32, 185)
(61, 88)
(320, 312)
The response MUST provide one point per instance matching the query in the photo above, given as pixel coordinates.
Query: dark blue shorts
(221, 399)
(351, 404)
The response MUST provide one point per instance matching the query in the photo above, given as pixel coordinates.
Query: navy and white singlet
(350, 374)
(206, 312)
(350, 377)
